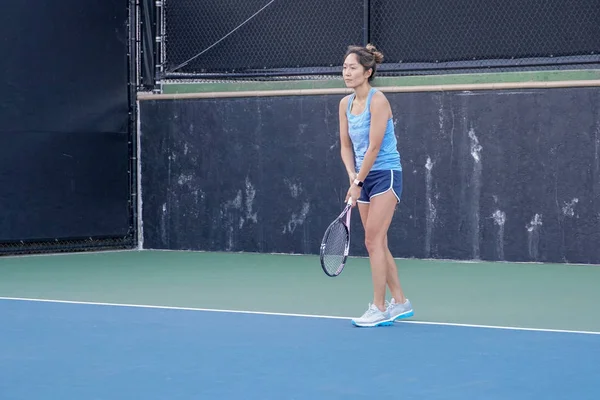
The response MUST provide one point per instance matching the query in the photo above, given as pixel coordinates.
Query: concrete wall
(493, 175)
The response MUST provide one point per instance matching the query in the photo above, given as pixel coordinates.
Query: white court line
(290, 315)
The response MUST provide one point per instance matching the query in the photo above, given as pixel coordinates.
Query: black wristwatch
(358, 183)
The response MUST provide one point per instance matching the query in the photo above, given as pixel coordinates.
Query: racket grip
(349, 202)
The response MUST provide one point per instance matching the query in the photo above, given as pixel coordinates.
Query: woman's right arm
(346, 150)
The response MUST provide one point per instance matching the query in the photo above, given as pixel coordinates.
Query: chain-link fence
(258, 36)
(458, 34)
(67, 245)
(229, 38)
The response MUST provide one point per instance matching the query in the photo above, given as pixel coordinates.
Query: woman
(368, 150)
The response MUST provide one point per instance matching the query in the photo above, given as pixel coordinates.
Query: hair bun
(377, 55)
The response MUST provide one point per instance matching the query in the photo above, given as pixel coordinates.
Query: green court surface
(537, 296)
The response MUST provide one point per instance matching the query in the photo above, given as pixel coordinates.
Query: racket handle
(349, 201)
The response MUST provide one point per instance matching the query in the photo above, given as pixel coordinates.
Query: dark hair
(368, 57)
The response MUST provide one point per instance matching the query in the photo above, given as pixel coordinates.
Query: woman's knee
(374, 241)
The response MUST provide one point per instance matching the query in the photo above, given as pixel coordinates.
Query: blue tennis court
(64, 350)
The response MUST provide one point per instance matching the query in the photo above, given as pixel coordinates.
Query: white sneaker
(373, 317)
(398, 311)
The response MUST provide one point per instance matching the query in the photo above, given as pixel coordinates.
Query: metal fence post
(366, 22)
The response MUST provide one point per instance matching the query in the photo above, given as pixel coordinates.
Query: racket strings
(335, 247)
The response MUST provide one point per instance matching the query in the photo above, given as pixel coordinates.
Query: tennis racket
(336, 242)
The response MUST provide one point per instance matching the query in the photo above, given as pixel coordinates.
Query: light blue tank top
(358, 128)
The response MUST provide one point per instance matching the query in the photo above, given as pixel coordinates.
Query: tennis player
(370, 155)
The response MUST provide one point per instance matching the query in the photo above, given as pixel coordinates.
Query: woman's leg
(376, 314)
(378, 219)
(393, 281)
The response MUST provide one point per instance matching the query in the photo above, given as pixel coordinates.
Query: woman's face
(353, 72)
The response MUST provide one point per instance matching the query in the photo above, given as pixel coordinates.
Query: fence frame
(161, 73)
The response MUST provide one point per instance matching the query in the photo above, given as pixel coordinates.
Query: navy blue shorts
(379, 182)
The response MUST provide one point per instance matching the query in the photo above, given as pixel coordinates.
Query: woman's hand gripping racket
(336, 243)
